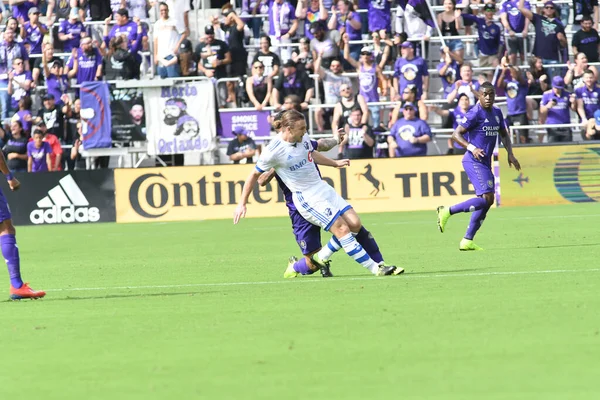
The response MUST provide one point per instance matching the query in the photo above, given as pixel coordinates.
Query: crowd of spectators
(347, 55)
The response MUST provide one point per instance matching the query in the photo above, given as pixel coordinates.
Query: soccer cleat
(443, 214)
(385, 270)
(325, 271)
(318, 262)
(25, 292)
(290, 272)
(468, 245)
(397, 270)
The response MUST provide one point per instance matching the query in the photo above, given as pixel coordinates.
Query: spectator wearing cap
(37, 72)
(54, 142)
(19, 83)
(11, 51)
(20, 8)
(282, 26)
(410, 70)
(212, 55)
(514, 23)
(466, 84)
(33, 32)
(554, 109)
(85, 63)
(348, 102)
(588, 97)
(359, 139)
(52, 116)
(345, 20)
(454, 115)
(71, 31)
(490, 36)
(409, 136)
(370, 77)
(187, 63)
(582, 9)
(168, 37)
(292, 82)
(242, 147)
(514, 83)
(549, 34)
(586, 40)
(592, 130)
(332, 79)
(258, 86)
(324, 43)
(233, 26)
(120, 60)
(269, 60)
(449, 71)
(311, 11)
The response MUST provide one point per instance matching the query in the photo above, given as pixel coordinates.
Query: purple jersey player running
(482, 124)
(8, 243)
(308, 236)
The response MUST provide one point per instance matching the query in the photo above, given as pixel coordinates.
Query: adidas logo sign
(65, 203)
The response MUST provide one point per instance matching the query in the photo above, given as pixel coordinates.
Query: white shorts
(320, 206)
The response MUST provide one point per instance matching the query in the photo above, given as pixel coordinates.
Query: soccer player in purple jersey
(483, 123)
(8, 243)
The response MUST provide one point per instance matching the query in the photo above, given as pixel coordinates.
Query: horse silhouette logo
(368, 175)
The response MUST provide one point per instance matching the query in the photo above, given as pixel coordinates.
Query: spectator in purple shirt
(20, 8)
(346, 20)
(409, 136)
(554, 110)
(57, 82)
(9, 51)
(24, 114)
(85, 63)
(19, 83)
(588, 97)
(33, 32)
(490, 36)
(71, 31)
(38, 154)
(410, 70)
(311, 11)
(124, 26)
(514, 83)
(515, 23)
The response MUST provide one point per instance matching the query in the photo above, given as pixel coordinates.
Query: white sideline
(320, 280)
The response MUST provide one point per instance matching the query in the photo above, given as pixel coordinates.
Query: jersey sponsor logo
(65, 203)
(298, 165)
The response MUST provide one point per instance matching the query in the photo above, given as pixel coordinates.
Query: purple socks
(301, 267)
(367, 241)
(476, 220)
(474, 204)
(10, 251)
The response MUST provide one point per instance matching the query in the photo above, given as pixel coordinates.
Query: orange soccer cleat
(25, 292)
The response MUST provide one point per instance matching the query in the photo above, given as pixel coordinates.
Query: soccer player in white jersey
(291, 155)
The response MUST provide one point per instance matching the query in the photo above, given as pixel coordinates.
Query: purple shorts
(4, 209)
(481, 177)
(307, 235)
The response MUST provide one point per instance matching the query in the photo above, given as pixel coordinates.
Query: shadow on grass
(114, 296)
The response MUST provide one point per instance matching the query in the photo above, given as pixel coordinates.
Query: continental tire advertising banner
(552, 175)
(212, 192)
(62, 197)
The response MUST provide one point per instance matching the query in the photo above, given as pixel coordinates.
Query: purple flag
(255, 122)
(95, 115)
(421, 9)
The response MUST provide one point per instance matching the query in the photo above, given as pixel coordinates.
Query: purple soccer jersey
(410, 72)
(88, 65)
(380, 15)
(559, 113)
(451, 76)
(457, 115)
(516, 20)
(308, 236)
(483, 127)
(34, 37)
(129, 29)
(344, 22)
(516, 93)
(403, 130)
(22, 10)
(547, 45)
(75, 29)
(490, 36)
(38, 156)
(590, 100)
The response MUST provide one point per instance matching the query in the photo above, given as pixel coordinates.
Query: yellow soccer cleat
(468, 245)
(290, 272)
(443, 214)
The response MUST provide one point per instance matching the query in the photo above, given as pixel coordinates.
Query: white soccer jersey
(293, 163)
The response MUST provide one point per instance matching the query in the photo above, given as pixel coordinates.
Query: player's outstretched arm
(13, 183)
(458, 137)
(328, 144)
(505, 138)
(240, 211)
(322, 160)
(266, 177)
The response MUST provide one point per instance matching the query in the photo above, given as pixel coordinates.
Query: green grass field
(200, 310)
